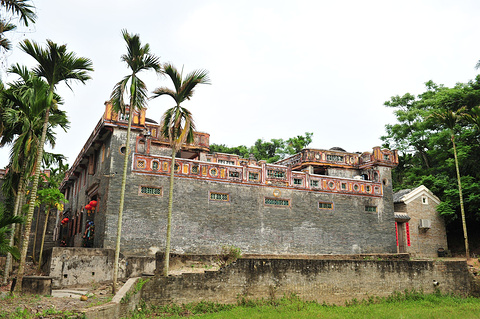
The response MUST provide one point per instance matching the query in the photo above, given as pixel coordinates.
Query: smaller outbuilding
(419, 227)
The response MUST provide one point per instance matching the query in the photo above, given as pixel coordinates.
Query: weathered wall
(202, 225)
(425, 242)
(331, 281)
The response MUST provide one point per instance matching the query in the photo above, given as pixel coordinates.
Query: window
(150, 190)
(226, 162)
(372, 209)
(344, 186)
(314, 183)
(272, 173)
(334, 158)
(234, 174)
(219, 196)
(276, 202)
(325, 205)
(297, 181)
(368, 188)
(155, 165)
(386, 157)
(195, 169)
(141, 164)
(252, 176)
(356, 187)
(424, 200)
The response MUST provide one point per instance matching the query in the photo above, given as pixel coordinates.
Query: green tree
(22, 116)
(6, 223)
(138, 59)
(449, 119)
(55, 65)
(177, 126)
(17, 8)
(425, 150)
(50, 197)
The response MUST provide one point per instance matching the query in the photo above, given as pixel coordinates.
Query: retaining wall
(331, 281)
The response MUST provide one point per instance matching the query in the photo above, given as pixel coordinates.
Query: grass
(400, 305)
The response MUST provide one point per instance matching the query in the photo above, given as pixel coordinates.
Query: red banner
(408, 234)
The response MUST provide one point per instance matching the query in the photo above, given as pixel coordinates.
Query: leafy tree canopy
(270, 151)
(425, 146)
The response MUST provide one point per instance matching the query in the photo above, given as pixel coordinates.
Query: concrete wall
(331, 281)
(79, 266)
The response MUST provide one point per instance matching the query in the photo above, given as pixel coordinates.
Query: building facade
(314, 202)
(419, 227)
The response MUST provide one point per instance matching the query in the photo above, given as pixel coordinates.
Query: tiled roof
(397, 196)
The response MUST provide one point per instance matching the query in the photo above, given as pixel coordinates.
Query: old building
(419, 227)
(314, 202)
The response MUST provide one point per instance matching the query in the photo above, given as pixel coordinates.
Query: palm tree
(449, 119)
(6, 227)
(55, 65)
(138, 59)
(22, 119)
(178, 127)
(18, 8)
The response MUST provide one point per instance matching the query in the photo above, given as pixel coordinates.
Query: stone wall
(425, 242)
(79, 266)
(330, 281)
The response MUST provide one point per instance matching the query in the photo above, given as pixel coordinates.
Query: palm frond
(20, 8)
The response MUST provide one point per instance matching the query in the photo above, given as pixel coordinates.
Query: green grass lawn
(406, 305)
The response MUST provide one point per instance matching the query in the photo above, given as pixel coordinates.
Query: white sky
(278, 68)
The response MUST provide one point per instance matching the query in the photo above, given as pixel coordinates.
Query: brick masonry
(330, 281)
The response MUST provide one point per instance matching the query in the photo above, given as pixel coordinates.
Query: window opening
(252, 176)
(275, 173)
(234, 174)
(277, 202)
(325, 205)
(297, 181)
(219, 196)
(372, 209)
(226, 162)
(151, 190)
(314, 183)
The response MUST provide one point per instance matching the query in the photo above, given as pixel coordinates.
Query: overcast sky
(278, 68)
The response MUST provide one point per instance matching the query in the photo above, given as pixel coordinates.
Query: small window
(219, 196)
(151, 190)
(372, 209)
(425, 200)
(356, 187)
(252, 176)
(368, 188)
(234, 174)
(213, 172)
(195, 169)
(314, 183)
(386, 157)
(177, 168)
(334, 158)
(344, 186)
(155, 165)
(141, 164)
(325, 205)
(275, 173)
(297, 181)
(276, 202)
(123, 149)
(226, 162)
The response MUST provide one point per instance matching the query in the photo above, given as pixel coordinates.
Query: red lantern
(93, 203)
(88, 207)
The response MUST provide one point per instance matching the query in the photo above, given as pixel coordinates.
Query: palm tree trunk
(35, 235)
(8, 262)
(122, 199)
(169, 217)
(43, 237)
(462, 210)
(33, 196)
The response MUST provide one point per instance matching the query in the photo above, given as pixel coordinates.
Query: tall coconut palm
(138, 59)
(178, 127)
(55, 65)
(449, 119)
(22, 118)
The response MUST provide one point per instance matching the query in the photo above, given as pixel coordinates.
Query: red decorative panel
(396, 232)
(408, 234)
